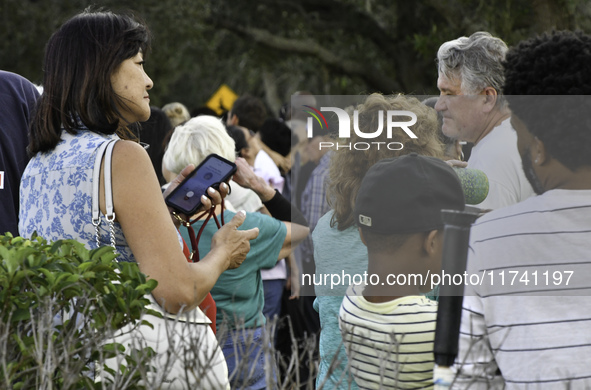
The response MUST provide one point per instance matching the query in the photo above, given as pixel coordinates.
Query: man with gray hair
(474, 110)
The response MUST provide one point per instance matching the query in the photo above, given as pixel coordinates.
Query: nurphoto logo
(339, 124)
(345, 123)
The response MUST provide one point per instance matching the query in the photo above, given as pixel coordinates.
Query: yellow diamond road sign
(222, 100)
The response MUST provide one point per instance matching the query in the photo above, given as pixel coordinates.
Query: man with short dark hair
(388, 327)
(17, 99)
(528, 325)
(474, 110)
(247, 111)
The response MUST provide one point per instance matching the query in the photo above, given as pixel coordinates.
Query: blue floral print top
(56, 194)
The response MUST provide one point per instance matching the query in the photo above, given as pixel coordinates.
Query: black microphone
(456, 237)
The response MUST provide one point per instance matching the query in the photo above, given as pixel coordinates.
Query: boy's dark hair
(550, 65)
(251, 112)
(384, 243)
(276, 135)
(80, 58)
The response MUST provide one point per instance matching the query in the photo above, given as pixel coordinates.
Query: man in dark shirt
(17, 99)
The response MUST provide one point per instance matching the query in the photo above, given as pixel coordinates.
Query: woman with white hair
(203, 143)
(239, 293)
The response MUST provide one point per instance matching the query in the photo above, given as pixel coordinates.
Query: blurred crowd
(504, 125)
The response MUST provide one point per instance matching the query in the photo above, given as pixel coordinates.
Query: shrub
(59, 304)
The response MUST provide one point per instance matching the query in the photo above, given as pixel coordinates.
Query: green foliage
(273, 48)
(59, 304)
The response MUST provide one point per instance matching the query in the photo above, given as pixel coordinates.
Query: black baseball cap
(406, 194)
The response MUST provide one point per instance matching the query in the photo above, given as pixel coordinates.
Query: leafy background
(272, 48)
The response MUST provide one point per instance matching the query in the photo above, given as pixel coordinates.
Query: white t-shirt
(497, 156)
(265, 167)
(242, 199)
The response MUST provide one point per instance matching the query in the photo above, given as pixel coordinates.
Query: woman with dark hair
(95, 88)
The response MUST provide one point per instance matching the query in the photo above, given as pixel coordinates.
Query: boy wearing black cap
(388, 327)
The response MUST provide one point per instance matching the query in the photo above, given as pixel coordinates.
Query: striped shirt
(390, 344)
(528, 326)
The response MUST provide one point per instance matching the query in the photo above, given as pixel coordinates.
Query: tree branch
(271, 97)
(370, 74)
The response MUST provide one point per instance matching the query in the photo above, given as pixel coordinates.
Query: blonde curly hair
(177, 113)
(348, 167)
